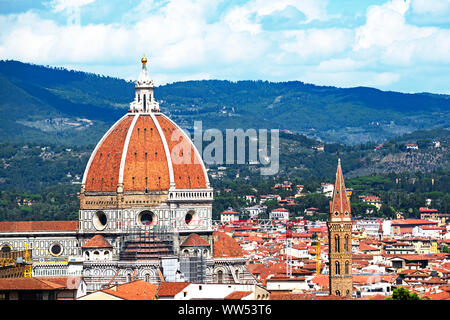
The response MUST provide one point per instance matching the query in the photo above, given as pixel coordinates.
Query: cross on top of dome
(144, 100)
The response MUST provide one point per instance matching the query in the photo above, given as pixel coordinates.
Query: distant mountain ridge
(55, 105)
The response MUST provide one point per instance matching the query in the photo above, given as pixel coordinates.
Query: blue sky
(400, 45)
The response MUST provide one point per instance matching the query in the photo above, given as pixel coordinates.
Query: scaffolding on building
(146, 243)
(15, 264)
(193, 267)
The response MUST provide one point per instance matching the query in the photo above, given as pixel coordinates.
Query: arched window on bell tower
(346, 243)
(336, 244)
(347, 267)
(338, 268)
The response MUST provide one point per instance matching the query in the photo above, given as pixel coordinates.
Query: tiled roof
(29, 284)
(426, 209)
(237, 295)
(365, 247)
(229, 212)
(97, 241)
(146, 159)
(11, 226)
(321, 280)
(187, 175)
(170, 289)
(135, 290)
(412, 222)
(290, 296)
(225, 246)
(340, 202)
(415, 257)
(145, 165)
(103, 172)
(303, 296)
(62, 281)
(194, 240)
(443, 295)
(367, 279)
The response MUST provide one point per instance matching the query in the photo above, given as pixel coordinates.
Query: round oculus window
(100, 220)
(56, 249)
(146, 218)
(190, 217)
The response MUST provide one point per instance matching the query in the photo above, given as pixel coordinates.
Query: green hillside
(53, 105)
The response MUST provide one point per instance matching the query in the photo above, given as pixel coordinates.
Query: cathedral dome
(144, 151)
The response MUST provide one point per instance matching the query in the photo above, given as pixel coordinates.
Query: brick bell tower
(340, 239)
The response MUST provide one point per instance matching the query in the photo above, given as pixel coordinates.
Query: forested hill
(54, 105)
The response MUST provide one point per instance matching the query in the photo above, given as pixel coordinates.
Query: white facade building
(279, 214)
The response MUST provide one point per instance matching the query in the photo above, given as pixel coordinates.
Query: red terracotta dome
(144, 152)
(225, 246)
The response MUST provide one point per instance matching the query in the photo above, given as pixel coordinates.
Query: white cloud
(61, 5)
(348, 79)
(434, 7)
(246, 18)
(317, 43)
(387, 35)
(344, 64)
(43, 41)
(185, 39)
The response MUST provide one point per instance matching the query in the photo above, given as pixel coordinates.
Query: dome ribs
(103, 172)
(145, 160)
(182, 171)
(133, 154)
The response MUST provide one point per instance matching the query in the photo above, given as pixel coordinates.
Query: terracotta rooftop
(170, 289)
(11, 226)
(140, 140)
(103, 167)
(303, 296)
(30, 284)
(229, 212)
(366, 247)
(237, 295)
(412, 222)
(340, 202)
(97, 241)
(135, 290)
(225, 246)
(194, 240)
(321, 280)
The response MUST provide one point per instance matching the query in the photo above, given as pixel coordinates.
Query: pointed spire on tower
(340, 205)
